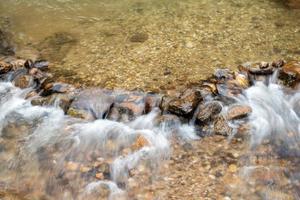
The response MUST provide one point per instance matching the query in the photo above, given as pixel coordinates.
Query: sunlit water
(150, 44)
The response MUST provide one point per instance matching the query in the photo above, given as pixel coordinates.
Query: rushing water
(150, 44)
(45, 153)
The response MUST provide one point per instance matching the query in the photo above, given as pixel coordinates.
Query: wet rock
(41, 64)
(221, 126)
(91, 104)
(51, 88)
(62, 100)
(152, 101)
(223, 74)
(208, 111)
(139, 37)
(5, 67)
(28, 64)
(186, 103)
(290, 73)
(128, 105)
(238, 112)
(24, 81)
(261, 68)
(139, 143)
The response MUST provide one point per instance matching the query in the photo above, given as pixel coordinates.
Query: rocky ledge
(210, 104)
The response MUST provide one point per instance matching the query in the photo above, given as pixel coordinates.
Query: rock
(208, 111)
(5, 67)
(221, 126)
(139, 143)
(41, 64)
(290, 73)
(152, 101)
(129, 105)
(24, 81)
(139, 37)
(72, 166)
(238, 111)
(62, 100)
(241, 80)
(232, 168)
(28, 64)
(186, 103)
(99, 176)
(261, 68)
(223, 74)
(91, 104)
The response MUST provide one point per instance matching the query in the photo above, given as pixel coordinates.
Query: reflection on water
(150, 44)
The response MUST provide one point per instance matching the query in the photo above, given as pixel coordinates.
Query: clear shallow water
(150, 44)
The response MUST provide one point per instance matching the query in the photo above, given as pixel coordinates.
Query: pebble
(232, 168)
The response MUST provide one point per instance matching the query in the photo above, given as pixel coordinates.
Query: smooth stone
(238, 112)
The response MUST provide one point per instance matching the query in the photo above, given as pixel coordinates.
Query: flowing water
(149, 44)
(47, 155)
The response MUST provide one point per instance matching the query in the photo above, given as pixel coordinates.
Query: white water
(48, 126)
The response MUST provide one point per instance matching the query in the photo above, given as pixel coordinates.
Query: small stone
(23, 81)
(232, 168)
(139, 37)
(99, 176)
(238, 111)
(72, 166)
(221, 126)
(5, 67)
(209, 111)
(84, 169)
(140, 142)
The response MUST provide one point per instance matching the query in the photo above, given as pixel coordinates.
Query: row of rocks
(210, 104)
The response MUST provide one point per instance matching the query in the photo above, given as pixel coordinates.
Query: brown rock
(261, 68)
(23, 81)
(208, 111)
(139, 37)
(290, 73)
(140, 142)
(186, 103)
(128, 105)
(5, 67)
(221, 126)
(238, 111)
(91, 103)
(72, 166)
